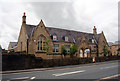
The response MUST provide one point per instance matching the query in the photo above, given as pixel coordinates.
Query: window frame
(66, 38)
(55, 48)
(54, 37)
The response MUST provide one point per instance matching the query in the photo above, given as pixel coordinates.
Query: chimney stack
(94, 30)
(24, 19)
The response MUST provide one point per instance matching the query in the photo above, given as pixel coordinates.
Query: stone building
(12, 46)
(31, 40)
(113, 47)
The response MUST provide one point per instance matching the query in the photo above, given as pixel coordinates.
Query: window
(67, 48)
(116, 47)
(38, 46)
(93, 48)
(90, 40)
(66, 38)
(54, 37)
(93, 41)
(55, 47)
(40, 43)
(114, 53)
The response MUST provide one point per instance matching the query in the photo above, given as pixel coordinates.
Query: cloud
(79, 15)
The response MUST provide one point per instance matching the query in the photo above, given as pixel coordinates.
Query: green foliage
(118, 49)
(106, 51)
(46, 46)
(4, 51)
(63, 50)
(73, 49)
(11, 51)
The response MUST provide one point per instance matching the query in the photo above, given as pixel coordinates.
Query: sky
(78, 15)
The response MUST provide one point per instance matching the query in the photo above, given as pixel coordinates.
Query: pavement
(102, 71)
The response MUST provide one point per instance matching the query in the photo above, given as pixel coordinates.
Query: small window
(57, 48)
(93, 48)
(66, 38)
(53, 47)
(90, 40)
(93, 41)
(54, 37)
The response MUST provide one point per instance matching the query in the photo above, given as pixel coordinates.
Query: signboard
(87, 51)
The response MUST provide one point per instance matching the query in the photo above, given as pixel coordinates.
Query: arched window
(40, 42)
(38, 45)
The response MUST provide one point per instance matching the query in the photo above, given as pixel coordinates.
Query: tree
(11, 51)
(63, 50)
(73, 50)
(118, 50)
(106, 51)
(109, 53)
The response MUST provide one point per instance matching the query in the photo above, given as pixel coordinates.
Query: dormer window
(93, 41)
(66, 38)
(54, 37)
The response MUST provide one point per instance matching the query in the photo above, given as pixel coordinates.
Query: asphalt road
(93, 71)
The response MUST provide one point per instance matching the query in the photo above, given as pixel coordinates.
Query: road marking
(111, 76)
(32, 78)
(108, 77)
(68, 73)
(108, 67)
(20, 78)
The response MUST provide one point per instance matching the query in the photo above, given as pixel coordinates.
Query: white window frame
(93, 41)
(66, 38)
(54, 37)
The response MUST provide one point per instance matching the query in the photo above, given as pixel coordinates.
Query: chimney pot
(24, 13)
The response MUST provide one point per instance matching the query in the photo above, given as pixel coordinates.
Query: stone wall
(22, 61)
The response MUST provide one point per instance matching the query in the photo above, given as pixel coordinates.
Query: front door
(81, 53)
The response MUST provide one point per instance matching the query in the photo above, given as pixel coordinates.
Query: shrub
(73, 50)
(63, 50)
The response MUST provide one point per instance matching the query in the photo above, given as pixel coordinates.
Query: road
(93, 71)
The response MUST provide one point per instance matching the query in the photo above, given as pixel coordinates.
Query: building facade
(115, 48)
(32, 37)
(12, 46)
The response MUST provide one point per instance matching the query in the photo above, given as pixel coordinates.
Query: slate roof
(110, 43)
(30, 29)
(73, 36)
(116, 43)
(13, 44)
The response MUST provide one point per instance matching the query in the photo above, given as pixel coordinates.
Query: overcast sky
(79, 15)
